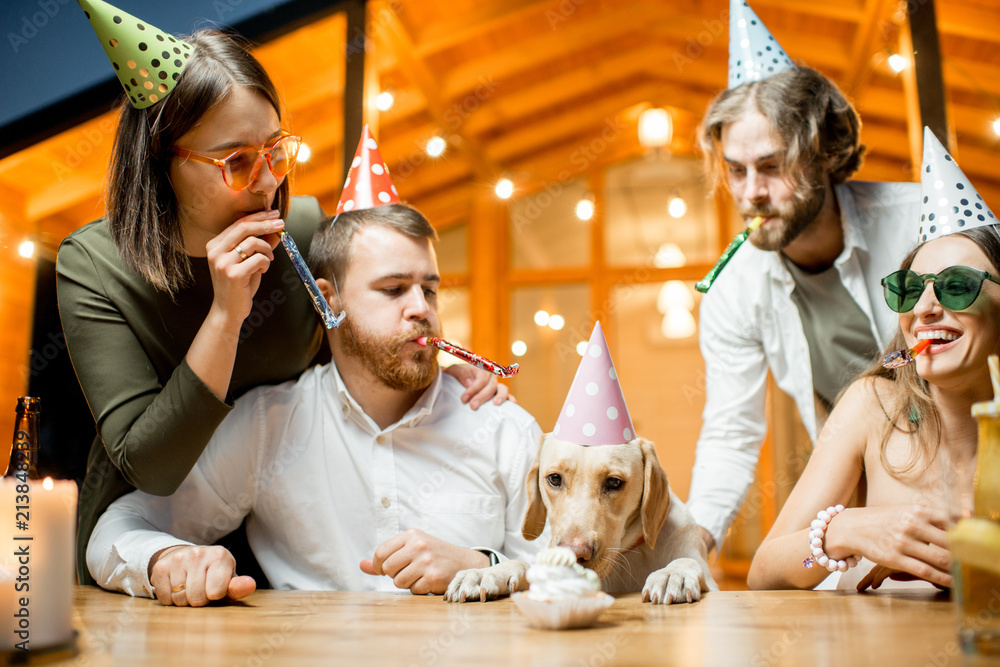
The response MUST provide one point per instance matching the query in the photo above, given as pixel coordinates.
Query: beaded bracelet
(816, 535)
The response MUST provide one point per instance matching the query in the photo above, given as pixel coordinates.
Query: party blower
(706, 282)
(469, 357)
(900, 358)
(330, 321)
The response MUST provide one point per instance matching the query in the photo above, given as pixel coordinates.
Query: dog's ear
(534, 517)
(655, 494)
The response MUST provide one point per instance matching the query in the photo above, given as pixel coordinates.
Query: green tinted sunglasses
(956, 288)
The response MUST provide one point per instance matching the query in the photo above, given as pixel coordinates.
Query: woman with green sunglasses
(900, 441)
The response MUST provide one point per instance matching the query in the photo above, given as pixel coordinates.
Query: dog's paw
(681, 581)
(487, 583)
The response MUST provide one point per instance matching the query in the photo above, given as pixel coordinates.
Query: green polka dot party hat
(147, 60)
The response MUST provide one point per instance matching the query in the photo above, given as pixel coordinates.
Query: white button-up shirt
(749, 325)
(324, 486)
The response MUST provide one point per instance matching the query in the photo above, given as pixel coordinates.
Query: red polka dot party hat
(368, 184)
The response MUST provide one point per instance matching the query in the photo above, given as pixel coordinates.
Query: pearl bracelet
(816, 534)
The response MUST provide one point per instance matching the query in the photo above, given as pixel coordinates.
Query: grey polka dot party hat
(754, 53)
(949, 203)
(147, 60)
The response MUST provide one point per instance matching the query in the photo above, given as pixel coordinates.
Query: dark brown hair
(912, 410)
(142, 214)
(818, 127)
(330, 252)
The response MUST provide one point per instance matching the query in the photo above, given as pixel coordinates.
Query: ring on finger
(177, 589)
(239, 251)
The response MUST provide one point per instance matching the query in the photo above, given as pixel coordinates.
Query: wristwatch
(492, 555)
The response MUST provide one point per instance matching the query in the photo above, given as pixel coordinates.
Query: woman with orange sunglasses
(177, 302)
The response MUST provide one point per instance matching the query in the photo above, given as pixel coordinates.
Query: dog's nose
(581, 547)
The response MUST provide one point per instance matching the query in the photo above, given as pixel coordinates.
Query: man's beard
(794, 217)
(386, 358)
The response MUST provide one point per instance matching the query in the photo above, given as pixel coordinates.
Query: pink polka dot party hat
(595, 412)
(368, 184)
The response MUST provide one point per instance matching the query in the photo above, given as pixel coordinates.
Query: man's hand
(707, 538)
(480, 385)
(187, 576)
(421, 562)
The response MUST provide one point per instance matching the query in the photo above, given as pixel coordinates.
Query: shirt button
(345, 410)
(385, 502)
(380, 439)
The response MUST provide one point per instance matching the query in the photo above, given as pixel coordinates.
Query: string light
(504, 188)
(996, 126)
(656, 128)
(26, 249)
(677, 207)
(385, 100)
(541, 318)
(897, 62)
(435, 146)
(585, 209)
(556, 322)
(519, 348)
(581, 347)
(304, 153)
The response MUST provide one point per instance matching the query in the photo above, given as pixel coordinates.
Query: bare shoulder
(858, 414)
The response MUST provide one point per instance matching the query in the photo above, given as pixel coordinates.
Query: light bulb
(519, 348)
(585, 209)
(505, 188)
(541, 318)
(556, 322)
(304, 153)
(384, 101)
(26, 249)
(435, 146)
(677, 207)
(897, 62)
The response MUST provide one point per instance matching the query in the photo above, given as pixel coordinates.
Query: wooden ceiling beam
(534, 52)
(968, 21)
(866, 44)
(843, 10)
(395, 37)
(479, 19)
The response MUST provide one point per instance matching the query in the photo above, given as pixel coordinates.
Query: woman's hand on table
(902, 539)
(192, 576)
(480, 385)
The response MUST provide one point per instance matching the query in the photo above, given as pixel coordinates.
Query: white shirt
(324, 486)
(749, 325)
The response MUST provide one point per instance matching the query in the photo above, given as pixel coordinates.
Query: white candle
(37, 528)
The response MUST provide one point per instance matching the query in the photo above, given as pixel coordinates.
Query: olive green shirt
(128, 342)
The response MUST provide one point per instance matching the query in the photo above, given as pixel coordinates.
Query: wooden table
(884, 629)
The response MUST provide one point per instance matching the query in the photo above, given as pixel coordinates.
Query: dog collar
(642, 538)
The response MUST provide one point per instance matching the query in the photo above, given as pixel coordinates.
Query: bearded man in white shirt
(802, 299)
(368, 473)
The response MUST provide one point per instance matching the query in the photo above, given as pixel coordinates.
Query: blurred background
(550, 142)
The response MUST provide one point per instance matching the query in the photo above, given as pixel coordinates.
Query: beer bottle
(24, 450)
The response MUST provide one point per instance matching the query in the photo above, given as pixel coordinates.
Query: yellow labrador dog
(613, 507)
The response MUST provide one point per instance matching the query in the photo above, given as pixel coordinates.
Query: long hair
(142, 214)
(818, 127)
(913, 412)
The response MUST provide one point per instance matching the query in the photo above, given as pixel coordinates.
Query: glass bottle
(24, 449)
